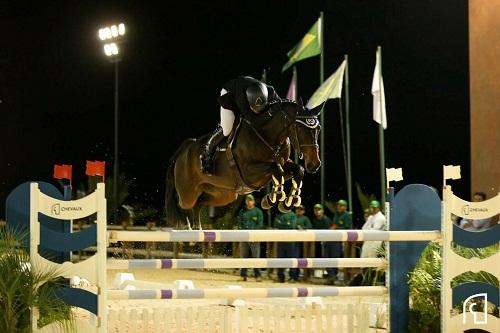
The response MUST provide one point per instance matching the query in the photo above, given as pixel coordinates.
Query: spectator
(479, 224)
(250, 217)
(303, 221)
(304, 249)
(286, 249)
(341, 220)
(319, 221)
(376, 221)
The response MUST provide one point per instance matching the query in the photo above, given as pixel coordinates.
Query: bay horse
(257, 153)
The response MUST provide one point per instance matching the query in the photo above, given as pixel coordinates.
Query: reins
(275, 150)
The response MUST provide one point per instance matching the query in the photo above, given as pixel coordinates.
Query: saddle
(226, 146)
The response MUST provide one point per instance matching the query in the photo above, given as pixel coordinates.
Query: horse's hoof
(297, 201)
(282, 194)
(282, 208)
(265, 204)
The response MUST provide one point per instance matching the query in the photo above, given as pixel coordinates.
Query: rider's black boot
(208, 149)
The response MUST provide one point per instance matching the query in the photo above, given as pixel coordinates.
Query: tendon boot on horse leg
(206, 156)
(293, 199)
(296, 173)
(276, 195)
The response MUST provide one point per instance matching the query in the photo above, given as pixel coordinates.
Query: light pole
(113, 37)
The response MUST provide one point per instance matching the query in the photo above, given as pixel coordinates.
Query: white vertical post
(388, 268)
(34, 243)
(102, 290)
(447, 237)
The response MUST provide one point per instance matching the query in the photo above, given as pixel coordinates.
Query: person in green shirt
(304, 249)
(303, 221)
(341, 220)
(319, 221)
(286, 249)
(250, 217)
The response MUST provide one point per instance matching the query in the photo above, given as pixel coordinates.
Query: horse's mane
(281, 100)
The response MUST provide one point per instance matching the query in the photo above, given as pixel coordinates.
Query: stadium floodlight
(113, 37)
(112, 32)
(111, 49)
(121, 29)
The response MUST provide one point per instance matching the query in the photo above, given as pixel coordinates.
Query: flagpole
(295, 93)
(348, 133)
(322, 116)
(381, 139)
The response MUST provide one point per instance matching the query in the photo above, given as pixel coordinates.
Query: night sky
(57, 86)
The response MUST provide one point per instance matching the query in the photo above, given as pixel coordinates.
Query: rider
(244, 95)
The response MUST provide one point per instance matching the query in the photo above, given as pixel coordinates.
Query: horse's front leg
(293, 199)
(277, 193)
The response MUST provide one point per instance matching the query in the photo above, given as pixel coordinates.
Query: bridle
(308, 121)
(286, 129)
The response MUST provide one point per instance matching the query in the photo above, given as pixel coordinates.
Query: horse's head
(307, 130)
(278, 118)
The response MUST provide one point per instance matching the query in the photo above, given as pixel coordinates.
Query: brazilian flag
(308, 47)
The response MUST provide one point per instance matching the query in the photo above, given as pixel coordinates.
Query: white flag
(378, 93)
(394, 174)
(331, 88)
(451, 172)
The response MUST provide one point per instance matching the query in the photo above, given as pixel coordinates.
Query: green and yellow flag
(308, 47)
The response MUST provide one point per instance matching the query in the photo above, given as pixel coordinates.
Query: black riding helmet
(257, 96)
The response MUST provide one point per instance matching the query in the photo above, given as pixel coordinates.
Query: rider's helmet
(257, 96)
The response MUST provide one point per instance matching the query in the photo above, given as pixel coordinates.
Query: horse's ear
(316, 110)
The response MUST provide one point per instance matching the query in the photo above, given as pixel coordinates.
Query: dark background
(57, 86)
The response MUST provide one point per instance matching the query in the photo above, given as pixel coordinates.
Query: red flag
(96, 168)
(291, 90)
(63, 172)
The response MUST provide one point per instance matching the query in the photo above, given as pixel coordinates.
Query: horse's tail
(174, 215)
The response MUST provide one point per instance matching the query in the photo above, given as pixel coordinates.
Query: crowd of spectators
(252, 217)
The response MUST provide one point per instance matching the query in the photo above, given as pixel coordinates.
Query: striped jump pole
(244, 293)
(245, 263)
(272, 236)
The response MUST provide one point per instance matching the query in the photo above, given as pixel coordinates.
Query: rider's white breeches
(226, 117)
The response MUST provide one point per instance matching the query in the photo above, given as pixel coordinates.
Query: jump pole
(272, 236)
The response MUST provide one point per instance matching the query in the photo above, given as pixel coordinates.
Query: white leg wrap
(226, 118)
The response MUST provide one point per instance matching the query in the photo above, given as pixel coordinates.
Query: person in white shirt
(376, 221)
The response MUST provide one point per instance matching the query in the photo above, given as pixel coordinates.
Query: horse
(257, 152)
